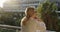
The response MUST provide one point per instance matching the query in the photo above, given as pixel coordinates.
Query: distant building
(11, 6)
(19, 5)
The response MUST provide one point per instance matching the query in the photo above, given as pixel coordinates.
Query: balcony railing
(58, 11)
(10, 28)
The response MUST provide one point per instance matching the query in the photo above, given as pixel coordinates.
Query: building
(11, 6)
(19, 5)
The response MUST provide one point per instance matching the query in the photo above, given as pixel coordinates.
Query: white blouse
(33, 25)
(41, 24)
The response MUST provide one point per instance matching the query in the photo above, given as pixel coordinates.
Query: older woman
(31, 23)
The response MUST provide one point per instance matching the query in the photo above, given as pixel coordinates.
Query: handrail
(58, 11)
(9, 26)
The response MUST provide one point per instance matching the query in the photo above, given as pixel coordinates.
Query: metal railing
(10, 28)
(57, 11)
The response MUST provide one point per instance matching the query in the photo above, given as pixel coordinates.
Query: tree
(46, 11)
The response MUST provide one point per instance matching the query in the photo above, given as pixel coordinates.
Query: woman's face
(31, 12)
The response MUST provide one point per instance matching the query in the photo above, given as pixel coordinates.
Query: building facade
(19, 5)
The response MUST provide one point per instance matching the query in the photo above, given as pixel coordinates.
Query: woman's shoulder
(23, 20)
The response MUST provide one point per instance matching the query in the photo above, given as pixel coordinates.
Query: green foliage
(7, 30)
(11, 18)
(46, 11)
(46, 7)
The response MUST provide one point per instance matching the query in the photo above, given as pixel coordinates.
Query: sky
(1, 2)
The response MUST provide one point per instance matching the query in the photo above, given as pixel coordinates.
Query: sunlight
(1, 3)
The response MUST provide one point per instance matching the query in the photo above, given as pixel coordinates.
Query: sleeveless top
(33, 25)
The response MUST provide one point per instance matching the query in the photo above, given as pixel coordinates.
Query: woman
(31, 23)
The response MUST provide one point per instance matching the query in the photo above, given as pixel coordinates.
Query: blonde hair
(27, 10)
